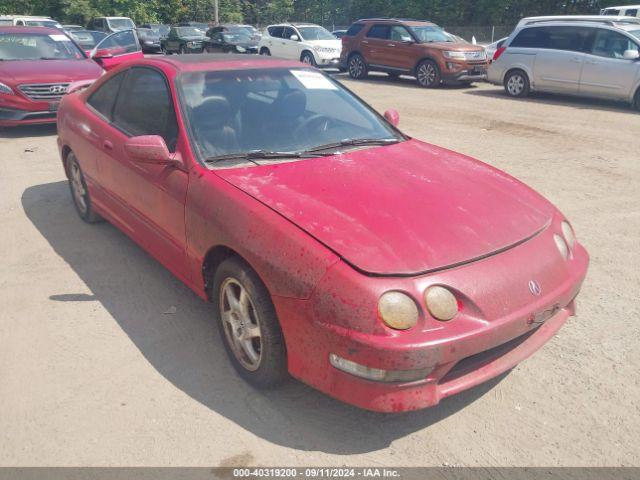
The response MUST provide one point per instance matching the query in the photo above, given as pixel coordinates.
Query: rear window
(355, 29)
(379, 31)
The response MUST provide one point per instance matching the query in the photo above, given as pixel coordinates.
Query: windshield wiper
(355, 142)
(260, 155)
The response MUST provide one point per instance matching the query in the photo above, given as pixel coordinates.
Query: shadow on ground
(28, 131)
(173, 329)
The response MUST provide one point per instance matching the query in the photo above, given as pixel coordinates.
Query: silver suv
(586, 58)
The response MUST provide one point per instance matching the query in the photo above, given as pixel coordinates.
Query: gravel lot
(96, 370)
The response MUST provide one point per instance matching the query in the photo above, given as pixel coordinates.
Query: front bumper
(505, 327)
(15, 111)
(457, 72)
(333, 62)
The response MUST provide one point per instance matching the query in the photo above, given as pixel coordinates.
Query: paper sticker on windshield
(313, 80)
(60, 38)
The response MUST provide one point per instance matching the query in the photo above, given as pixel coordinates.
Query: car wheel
(265, 51)
(516, 84)
(428, 74)
(308, 59)
(636, 102)
(248, 324)
(79, 191)
(357, 67)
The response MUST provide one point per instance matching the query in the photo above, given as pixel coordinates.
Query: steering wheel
(317, 122)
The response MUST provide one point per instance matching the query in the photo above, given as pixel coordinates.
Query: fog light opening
(376, 374)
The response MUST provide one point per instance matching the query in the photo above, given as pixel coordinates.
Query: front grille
(476, 56)
(44, 91)
(479, 360)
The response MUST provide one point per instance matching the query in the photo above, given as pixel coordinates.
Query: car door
(290, 48)
(154, 195)
(559, 63)
(216, 44)
(274, 41)
(173, 41)
(398, 51)
(606, 72)
(116, 49)
(374, 43)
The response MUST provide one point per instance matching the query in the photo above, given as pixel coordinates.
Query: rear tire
(357, 67)
(265, 51)
(79, 191)
(636, 102)
(516, 84)
(428, 74)
(248, 324)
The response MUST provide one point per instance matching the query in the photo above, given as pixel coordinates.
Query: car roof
(34, 30)
(578, 18)
(582, 23)
(622, 7)
(405, 21)
(294, 24)
(220, 61)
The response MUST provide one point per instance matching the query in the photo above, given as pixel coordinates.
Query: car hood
(49, 71)
(402, 209)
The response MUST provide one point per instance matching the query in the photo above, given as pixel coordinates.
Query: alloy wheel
(241, 324)
(516, 85)
(77, 186)
(427, 74)
(356, 67)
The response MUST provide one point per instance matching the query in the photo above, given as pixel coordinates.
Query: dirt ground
(96, 370)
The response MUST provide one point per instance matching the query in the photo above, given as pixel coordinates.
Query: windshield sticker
(313, 80)
(60, 38)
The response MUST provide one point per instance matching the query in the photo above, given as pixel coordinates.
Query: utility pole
(215, 12)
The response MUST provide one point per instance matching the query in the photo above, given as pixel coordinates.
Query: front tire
(265, 51)
(636, 102)
(308, 59)
(516, 84)
(428, 74)
(248, 324)
(357, 67)
(79, 191)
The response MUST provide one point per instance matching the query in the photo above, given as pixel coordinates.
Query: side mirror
(631, 55)
(101, 54)
(393, 117)
(295, 38)
(148, 149)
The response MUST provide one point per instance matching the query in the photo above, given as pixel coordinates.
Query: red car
(383, 271)
(38, 65)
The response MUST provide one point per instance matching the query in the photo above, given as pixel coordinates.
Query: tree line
(326, 12)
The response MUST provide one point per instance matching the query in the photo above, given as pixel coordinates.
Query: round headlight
(562, 246)
(441, 303)
(569, 236)
(398, 310)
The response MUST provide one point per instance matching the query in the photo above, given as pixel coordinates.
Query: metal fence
(482, 33)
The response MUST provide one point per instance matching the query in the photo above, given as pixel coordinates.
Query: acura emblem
(534, 288)
(59, 89)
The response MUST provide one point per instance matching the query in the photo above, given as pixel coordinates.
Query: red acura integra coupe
(39, 65)
(384, 271)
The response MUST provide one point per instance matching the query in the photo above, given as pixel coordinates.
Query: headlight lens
(398, 310)
(240, 49)
(441, 303)
(562, 246)
(569, 236)
(456, 55)
(6, 89)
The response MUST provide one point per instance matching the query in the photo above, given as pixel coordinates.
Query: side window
(612, 44)
(276, 31)
(288, 32)
(612, 11)
(530, 38)
(400, 34)
(355, 29)
(144, 106)
(103, 98)
(379, 31)
(120, 43)
(217, 37)
(572, 39)
(633, 12)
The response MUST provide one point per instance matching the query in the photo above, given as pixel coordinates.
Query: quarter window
(144, 106)
(612, 44)
(103, 98)
(631, 13)
(355, 29)
(379, 31)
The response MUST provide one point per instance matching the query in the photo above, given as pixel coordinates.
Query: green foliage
(327, 12)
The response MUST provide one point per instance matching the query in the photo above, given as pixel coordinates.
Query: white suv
(306, 42)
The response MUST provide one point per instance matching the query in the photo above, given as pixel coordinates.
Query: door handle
(365, 42)
(107, 145)
(592, 62)
(391, 44)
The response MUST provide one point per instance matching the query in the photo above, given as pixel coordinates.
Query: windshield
(315, 33)
(188, 32)
(431, 34)
(29, 46)
(275, 110)
(635, 33)
(121, 23)
(43, 23)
